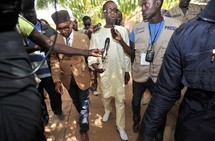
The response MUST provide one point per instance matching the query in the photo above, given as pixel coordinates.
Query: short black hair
(104, 5)
(86, 18)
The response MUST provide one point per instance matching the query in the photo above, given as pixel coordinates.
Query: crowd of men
(164, 53)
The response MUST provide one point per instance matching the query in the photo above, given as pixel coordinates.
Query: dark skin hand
(97, 68)
(32, 49)
(127, 77)
(91, 30)
(45, 43)
(130, 51)
(101, 70)
(59, 87)
(117, 36)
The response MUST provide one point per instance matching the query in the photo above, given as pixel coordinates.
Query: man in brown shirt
(72, 71)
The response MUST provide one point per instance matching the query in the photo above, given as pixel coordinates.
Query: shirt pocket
(79, 69)
(136, 66)
(159, 53)
(193, 61)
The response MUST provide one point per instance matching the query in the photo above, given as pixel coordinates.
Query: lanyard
(153, 39)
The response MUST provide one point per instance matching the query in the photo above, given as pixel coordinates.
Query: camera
(97, 27)
(149, 55)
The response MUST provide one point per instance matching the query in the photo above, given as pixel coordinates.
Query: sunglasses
(109, 10)
(63, 28)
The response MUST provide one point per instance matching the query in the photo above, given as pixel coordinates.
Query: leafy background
(93, 8)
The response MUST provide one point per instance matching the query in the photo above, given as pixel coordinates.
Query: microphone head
(97, 27)
(106, 46)
(107, 40)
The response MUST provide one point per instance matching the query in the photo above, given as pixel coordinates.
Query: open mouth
(112, 18)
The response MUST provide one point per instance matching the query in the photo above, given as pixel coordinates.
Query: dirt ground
(68, 129)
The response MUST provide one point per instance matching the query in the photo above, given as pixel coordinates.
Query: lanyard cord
(153, 41)
(156, 34)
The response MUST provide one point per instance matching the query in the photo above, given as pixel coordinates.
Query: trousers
(55, 98)
(80, 99)
(120, 110)
(138, 91)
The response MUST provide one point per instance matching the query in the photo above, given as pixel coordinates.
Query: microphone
(106, 47)
(97, 27)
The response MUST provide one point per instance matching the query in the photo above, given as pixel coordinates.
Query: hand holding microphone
(115, 34)
(106, 47)
(97, 27)
(98, 67)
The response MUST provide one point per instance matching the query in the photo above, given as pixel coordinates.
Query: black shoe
(136, 127)
(60, 116)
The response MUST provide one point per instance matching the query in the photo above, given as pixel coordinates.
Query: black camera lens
(149, 55)
(96, 27)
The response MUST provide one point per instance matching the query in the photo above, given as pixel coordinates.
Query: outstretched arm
(45, 43)
(28, 30)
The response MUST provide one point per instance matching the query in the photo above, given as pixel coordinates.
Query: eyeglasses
(63, 28)
(109, 10)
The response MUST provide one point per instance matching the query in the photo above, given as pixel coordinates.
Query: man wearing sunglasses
(72, 71)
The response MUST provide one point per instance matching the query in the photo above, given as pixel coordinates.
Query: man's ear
(158, 3)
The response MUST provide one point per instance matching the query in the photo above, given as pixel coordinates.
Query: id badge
(143, 61)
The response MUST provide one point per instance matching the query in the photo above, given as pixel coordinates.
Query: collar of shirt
(71, 36)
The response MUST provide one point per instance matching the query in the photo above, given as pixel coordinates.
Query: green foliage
(41, 4)
(128, 6)
(93, 8)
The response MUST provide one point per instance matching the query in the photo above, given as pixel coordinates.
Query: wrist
(120, 41)
(86, 52)
(57, 82)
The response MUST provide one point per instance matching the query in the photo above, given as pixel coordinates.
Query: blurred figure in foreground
(20, 111)
(187, 63)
